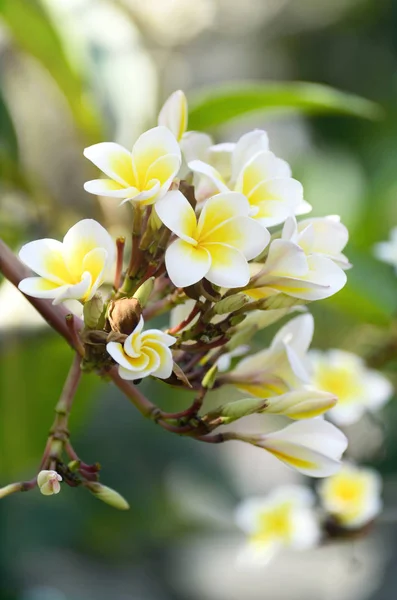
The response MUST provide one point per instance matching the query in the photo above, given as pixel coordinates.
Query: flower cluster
(214, 240)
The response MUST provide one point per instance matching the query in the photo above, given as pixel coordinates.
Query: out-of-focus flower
(225, 360)
(284, 519)
(174, 114)
(217, 246)
(299, 265)
(143, 353)
(352, 496)
(143, 175)
(357, 388)
(48, 482)
(250, 168)
(314, 447)
(72, 269)
(387, 251)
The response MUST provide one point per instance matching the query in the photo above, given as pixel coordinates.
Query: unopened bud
(107, 495)
(143, 292)
(210, 377)
(230, 304)
(93, 311)
(124, 315)
(49, 482)
(10, 489)
(236, 410)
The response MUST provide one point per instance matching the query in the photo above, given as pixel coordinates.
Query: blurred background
(75, 72)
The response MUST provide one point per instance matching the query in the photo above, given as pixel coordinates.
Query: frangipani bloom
(257, 173)
(72, 269)
(284, 519)
(357, 388)
(143, 353)
(313, 447)
(352, 496)
(48, 482)
(217, 246)
(294, 267)
(387, 251)
(143, 175)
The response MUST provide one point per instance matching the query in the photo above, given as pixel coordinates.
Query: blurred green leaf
(8, 139)
(218, 105)
(36, 35)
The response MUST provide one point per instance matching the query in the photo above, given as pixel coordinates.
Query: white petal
(315, 434)
(262, 166)
(248, 145)
(110, 188)
(177, 214)
(166, 363)
(174, 114)
(297, 333)
(285, 259)
(39, 287)
(198, 166)
(83, 237)
(329, 236)
(115, 349)
(150, 146)
(78, 291)
(242, 233)
(45, 257)
(186, 264)
(229, 268)
(114, 160)
(221, 208)
(220, 157)
(194, 145)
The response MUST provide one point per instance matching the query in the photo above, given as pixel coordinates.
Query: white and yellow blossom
(387, 251)
(143, 353)
(324, 236)
(313, 447)
(352, 496)
(300, 265)
(72, 269)
(49, 482)
(143, 175)
(250, 168)
(285, 518)
(357, 388)
(217, 246)
(174, 114)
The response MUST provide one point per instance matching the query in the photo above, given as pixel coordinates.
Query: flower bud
(143, 292)
(124, 314)
(48, 482)
(107, 495)
(231, 303)
(209, 377)
(236, 410)
(93, 310)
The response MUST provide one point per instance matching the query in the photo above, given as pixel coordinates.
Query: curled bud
(124, 314)
(93, 310)
(107, 495)
(236, 410)
(230, 304)
(143, 292)
(48, 482)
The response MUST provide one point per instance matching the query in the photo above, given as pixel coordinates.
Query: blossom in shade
(387, 251)
(72, 269)
(143, 175)
(217, 245)
(143, 353)
(250, 168)
(285, 518)
(357, 388)
(313, 447)
(300, 265)
(49, 482)
(352, 496)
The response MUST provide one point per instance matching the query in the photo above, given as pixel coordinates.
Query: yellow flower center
(341, 381)
(273, 524)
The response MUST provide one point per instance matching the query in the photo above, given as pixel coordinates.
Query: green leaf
(36, 35)
(219, 105)
(8, 139)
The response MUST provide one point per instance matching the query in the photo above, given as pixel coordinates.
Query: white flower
(217, 246)
(387, 251)
(284, 519)
(72, 269)
(352, 496)
(299, 265)
(143, 175)
(143, 353)
(325, 236)
(48, 482)
(357, 388)
(250, 168)
(313, 447)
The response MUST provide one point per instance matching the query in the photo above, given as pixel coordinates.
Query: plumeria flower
(357, 388)
(257, 173)
(217, 246)
(313, 447)
(72, 269)
(143, 175)
(325, 236)
(143, 353)
(352, 496)
(295, 268)
(387, 251)
(286, 518)
(49, 482)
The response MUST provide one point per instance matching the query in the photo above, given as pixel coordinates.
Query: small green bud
(210, 377)
(236, 410)
(107, 495)
(231, 303)
(93, 311)
(143, 292)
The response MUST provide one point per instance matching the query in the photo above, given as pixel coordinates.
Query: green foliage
(216, 106)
